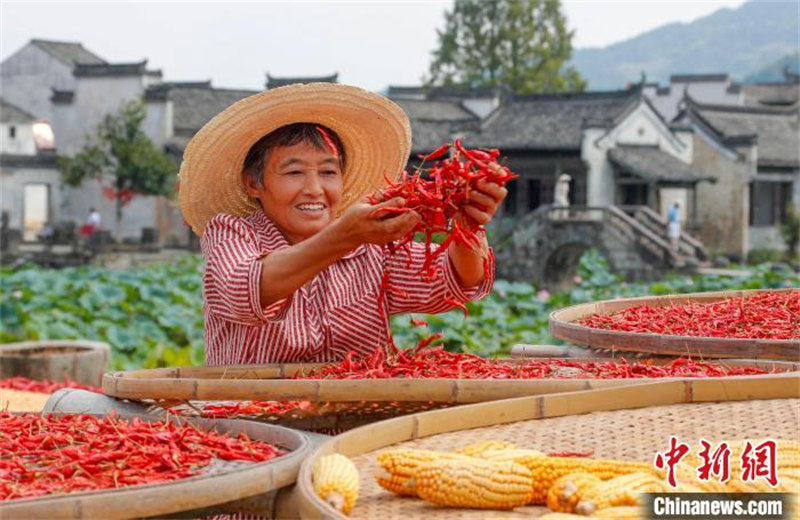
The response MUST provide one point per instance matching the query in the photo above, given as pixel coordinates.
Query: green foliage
(791, 231)
(523, 44)
(518, 313)
(121, 149)
(152, 316)
(763, 255)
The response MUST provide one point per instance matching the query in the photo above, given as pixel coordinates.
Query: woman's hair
(289, 135)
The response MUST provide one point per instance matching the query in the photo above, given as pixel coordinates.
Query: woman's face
(302, 188)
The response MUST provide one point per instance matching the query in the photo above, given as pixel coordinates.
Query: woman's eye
(294, 172)
(329, 172)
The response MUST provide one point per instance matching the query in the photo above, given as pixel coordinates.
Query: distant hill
(774, 71)
(734, 41)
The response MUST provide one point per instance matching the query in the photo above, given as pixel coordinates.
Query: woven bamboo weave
(626, 434)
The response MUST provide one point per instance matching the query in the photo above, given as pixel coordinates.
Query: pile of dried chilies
(42, 455)
(437, 363)
(44, 387)
(766, 315)
(439, 193)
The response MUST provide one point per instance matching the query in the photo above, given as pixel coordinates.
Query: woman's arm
(468, 262)
(284, 271)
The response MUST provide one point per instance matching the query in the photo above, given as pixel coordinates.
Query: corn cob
(561, 516)
(474, 483)
(566, 491)
(624, 490)
(477, 448)
(547, 469)
(620, 513)
(685, 475)
(511, 454)
(400, 467)
(335, 479)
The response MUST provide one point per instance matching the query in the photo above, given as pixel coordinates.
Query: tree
(523, 44)
(790, 230)
(122, 150)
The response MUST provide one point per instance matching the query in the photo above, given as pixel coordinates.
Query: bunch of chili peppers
(766, 315)
(439, 193)
(437, 363)
(44, 387)
(42, 455)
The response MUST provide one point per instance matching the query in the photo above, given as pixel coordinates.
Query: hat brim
(374, 131)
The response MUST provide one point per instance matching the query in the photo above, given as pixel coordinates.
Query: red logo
(671, 457)
(760, 462)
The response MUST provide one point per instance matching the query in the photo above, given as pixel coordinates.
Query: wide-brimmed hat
(374, 131)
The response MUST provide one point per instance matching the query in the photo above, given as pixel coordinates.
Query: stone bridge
(546, 245)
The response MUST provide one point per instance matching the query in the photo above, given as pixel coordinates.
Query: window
(510, 204)
(768, 203)
(534, 194)
(12, 132)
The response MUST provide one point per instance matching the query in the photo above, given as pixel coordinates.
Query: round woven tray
(275, 383)
(223, 482)
(630, 423)
(563, 326)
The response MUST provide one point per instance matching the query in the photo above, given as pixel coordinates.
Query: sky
(235, 44)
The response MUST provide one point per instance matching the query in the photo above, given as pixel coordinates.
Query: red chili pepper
(329, 141)
(766, 315)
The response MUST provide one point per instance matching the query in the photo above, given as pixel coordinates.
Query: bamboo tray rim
(168, 384)
(370, 438)
(185, 494)
(562, 325)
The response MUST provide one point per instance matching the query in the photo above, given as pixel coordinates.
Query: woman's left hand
(484, 199)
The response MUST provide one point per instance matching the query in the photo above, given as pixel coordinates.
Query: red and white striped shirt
(333, 313)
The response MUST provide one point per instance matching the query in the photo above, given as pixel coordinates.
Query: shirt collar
(276, 240)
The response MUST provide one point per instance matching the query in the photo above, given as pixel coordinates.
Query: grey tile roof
(775, 94)
(776, 130)
(13, 114)
(552, 121)
(275, 82)
(194, 106)
(39, 160)
(650, 163)
(68, 52)
(698, 78)
(114, 69)
(434, 122)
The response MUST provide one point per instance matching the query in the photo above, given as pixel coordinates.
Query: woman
(276, 186)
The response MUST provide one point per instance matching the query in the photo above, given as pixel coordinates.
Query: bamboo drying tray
(274, 383)
(327, 417)
(563, 326)
(22, 401)
(223, 482)
(630, 423)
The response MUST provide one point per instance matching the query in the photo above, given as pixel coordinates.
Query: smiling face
(300, 190)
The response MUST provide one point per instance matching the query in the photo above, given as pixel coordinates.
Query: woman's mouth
(311, 207)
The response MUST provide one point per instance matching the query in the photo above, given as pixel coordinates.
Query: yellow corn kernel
(477, 448)
(624, 490)
(335, 480)
(566, 491)
(620, 513)
(399, 466)
(474, 483)
(547, 469)
(509, 454)
(561, 516)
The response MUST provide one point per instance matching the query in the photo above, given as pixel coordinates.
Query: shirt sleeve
(232, 278)
(408, 290)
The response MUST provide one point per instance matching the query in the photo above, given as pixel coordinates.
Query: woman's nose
(313, 184)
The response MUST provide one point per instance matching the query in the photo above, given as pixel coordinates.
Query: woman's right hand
(365, 223)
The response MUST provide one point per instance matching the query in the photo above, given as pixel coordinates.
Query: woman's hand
(365, 223)
(484, 199)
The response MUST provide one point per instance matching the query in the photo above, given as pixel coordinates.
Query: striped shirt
(333, 313)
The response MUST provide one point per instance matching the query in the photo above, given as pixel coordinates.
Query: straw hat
(374, 131)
